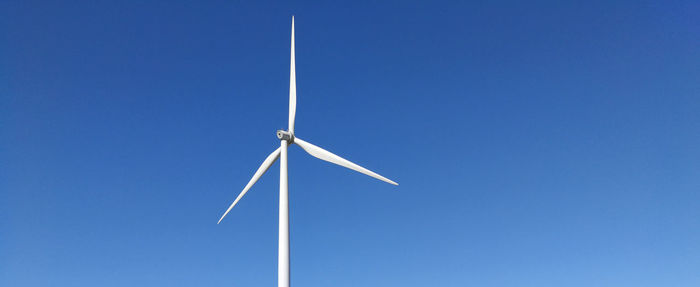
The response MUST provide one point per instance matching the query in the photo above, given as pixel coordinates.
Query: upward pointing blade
(330, 157)
(292, 86)
(261, 170)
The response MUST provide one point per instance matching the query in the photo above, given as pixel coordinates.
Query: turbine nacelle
(285, 136)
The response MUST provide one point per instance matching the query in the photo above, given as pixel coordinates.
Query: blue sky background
(547, 143)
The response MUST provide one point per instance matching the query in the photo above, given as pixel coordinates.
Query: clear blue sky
(536, 144)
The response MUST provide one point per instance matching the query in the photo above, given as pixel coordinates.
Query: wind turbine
(287, 138)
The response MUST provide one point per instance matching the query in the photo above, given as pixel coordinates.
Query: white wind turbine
(287, 138)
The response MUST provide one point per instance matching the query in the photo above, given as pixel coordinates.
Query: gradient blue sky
(537, 144)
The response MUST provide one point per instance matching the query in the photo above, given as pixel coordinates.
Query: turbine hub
(285, 135)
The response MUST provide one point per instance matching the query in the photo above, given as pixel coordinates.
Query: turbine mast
(283, 240)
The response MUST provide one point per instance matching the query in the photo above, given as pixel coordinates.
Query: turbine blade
(261, 170)
(292, 86)
(330, 157)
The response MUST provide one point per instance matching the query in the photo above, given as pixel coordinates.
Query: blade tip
(389, 181)
(222, 217)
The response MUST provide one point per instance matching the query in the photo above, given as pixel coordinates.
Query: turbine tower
(287, 138)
